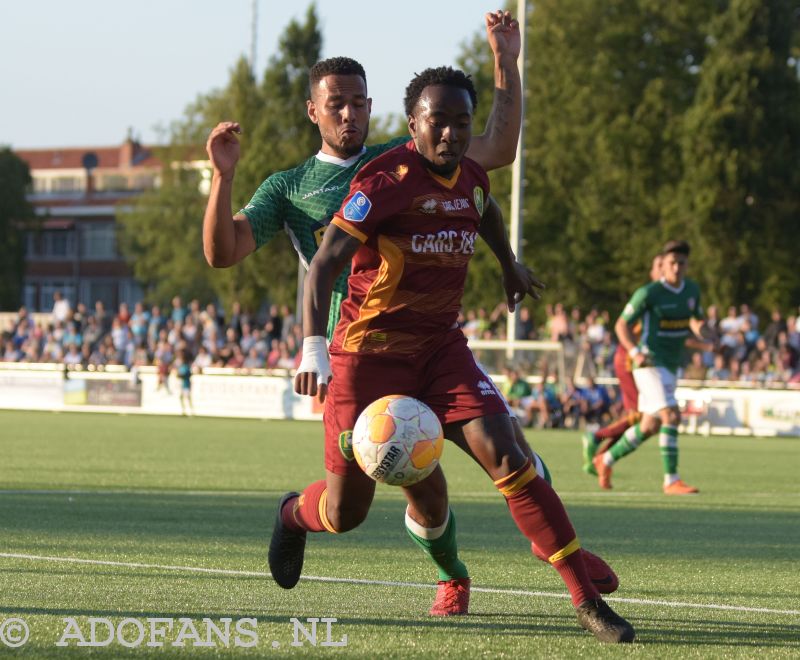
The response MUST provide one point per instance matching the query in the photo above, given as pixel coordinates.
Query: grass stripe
(385, 583)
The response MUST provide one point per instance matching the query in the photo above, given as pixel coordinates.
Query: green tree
(741, 151)
(15, 211)
(276, 135)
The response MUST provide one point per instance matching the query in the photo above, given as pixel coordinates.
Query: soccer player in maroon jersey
(409, 225)
(602, 440)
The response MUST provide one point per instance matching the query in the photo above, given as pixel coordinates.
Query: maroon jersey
(419, 231)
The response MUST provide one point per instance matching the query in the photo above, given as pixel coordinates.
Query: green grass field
(148, 499)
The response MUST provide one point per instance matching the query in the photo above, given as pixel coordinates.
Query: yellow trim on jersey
(347, 227)
(511, 487)
(323, 512)
(447, 183)
(573, 546)
(379, 295)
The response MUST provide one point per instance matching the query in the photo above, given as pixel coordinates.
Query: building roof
(129, 154)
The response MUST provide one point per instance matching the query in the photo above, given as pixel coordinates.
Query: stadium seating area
(744, 353)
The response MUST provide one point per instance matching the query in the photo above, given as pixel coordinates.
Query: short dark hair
(443, 75)
(335, 66)
(678, 247)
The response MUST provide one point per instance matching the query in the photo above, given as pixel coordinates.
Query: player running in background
(409, 224)
(302, 201)
(669, 311)
(601, 441)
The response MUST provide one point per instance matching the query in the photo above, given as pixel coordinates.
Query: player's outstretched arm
(335, 252)
(497, 146)
(518, 279)
(226, 239)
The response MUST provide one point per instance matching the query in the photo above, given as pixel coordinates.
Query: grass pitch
(134, 517)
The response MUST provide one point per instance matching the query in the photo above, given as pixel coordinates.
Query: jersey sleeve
(636, 306)
(264, 210)
(697, 309)
(372, 198)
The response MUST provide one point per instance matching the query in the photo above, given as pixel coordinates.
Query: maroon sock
(613, 430)
(541, 517)
(303, 513)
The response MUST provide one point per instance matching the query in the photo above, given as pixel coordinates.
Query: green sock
(442, 549)
(541, 468)
(668, 444)
(629, 441)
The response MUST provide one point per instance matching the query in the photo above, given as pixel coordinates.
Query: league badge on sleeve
(357, 208)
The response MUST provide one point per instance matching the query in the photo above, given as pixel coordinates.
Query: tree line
(644, 121)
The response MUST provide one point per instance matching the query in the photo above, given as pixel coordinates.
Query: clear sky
(80, 72)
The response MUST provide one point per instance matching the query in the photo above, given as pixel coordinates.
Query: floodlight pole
(517, 172)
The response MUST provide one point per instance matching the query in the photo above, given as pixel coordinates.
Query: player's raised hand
(519, 281)
(314, 372)
(223, 147)
(502, 32)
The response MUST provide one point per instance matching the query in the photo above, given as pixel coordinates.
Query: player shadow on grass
(60, 525)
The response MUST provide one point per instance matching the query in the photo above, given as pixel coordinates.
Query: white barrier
(45, 387)
(258, 397)
(740, 411)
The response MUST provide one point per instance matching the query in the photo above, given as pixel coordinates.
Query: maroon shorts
(446, 377)
(627, 386)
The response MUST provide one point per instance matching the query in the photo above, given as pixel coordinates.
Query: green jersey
(302, 201)
(664, 311)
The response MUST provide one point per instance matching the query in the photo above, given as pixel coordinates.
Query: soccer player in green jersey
(669, 311)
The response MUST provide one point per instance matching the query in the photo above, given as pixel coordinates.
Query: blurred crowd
(144, 336)
(747, 350)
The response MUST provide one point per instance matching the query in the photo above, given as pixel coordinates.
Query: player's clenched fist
(223, 147)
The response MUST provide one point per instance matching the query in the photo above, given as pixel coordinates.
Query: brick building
(76, 195)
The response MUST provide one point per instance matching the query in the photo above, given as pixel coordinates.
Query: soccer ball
(397, 440)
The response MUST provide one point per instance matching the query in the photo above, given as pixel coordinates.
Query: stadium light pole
(517, 173)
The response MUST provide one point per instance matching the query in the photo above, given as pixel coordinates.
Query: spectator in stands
(696, 370)
(526, 328)
(720, 369)
(80, 317)
(123, 313)
(287, 321)
(202, 360)
(253, 360)
(102, 317)
(558, 324)
(178, 310)
(138, 324)
(61, 307)
(729, 327)
(595, 402)
(776, 326)
(285, 360)
(516, 388)
(746, 314)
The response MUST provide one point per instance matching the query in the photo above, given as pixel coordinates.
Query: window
(66, 184)
(98, 241)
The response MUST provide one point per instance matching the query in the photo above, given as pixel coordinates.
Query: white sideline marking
(384, 583)
(488, 495)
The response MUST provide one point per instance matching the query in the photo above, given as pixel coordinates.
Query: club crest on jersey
(357, 208)
(477, 195)
(691, 302)
(346, 444)
(400, 172)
